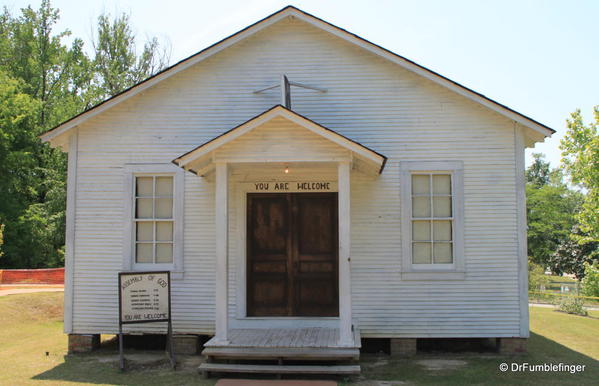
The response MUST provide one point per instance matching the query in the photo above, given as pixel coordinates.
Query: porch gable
(283, 136)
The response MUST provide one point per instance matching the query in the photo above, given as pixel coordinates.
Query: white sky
(537, 57)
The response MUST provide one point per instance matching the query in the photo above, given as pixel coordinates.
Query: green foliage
(1, 238)
(560, 279)
(573, 253)
(116, 62)
(580, 157)
(539, 172)
(555, 238)
(536, 276)
(571, 305)
(590, 283)
(551, 210)
(44, 81)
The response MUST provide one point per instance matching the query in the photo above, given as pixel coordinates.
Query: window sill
(433, 275)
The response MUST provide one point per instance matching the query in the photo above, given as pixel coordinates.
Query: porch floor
(313, 337)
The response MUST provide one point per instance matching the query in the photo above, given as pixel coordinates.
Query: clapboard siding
(280, 140)
(369, 100)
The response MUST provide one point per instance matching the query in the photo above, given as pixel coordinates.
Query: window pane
(442, 230)
(442, 184)
(143, 253)
(443, 253)
(143, 208)
(164, 208)
(164, 253)
(442, 206)
(164, 186)
(164, 231)
(421, 230)
(421, 207)
(421, 253)
(144, 186)
(420, 184)
(145, 231)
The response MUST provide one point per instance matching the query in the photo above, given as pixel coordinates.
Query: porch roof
(201, 160)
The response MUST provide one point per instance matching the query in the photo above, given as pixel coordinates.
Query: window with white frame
(432, 219)
(154, 220)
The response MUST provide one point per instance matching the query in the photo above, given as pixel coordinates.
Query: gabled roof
(205, 150)
(319, 23)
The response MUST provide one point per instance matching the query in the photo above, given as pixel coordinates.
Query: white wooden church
(307, 189)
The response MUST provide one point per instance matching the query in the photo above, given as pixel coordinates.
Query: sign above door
(291, 186)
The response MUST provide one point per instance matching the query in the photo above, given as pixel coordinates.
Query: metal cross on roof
(285, 86)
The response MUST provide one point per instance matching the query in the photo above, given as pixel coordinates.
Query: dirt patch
(380, 383)
(441, 364)
(376, 363)
(144, 361)
(32, 307)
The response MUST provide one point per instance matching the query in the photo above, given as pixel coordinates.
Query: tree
(551, 210)
(536, 277)
(116, 61)
(539, 172)
(590, 283)
(1, 238)
(38, 68)
(18, 164)
(56, 75)
(44, 81)
(580, 157)
(572, 254)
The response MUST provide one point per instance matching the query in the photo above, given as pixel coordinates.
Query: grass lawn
(555, 337)
(32, 325)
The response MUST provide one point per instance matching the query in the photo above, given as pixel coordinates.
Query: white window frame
(455, 270)
(131, 171)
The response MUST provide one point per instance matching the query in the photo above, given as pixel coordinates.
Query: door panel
(268, 250)
(292, 246)
(315, 280)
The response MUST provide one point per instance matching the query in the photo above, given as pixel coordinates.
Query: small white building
(364, 196)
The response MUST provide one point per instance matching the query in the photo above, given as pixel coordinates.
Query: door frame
(239, 241)
(293, 263)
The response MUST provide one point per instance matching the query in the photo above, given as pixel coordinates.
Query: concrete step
(206, 368)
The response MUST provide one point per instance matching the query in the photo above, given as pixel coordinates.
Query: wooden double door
(292, 250)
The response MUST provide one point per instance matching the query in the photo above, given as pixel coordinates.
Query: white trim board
(520, 183)
(129, 173)
(291, 11)
(70, 254)
(239, 191)
(456, 270)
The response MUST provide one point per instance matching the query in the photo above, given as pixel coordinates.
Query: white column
(345, 314)
(222, 258)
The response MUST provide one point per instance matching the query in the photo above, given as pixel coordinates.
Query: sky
(539, 57)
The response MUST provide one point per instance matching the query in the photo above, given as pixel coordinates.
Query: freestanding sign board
(145, 297)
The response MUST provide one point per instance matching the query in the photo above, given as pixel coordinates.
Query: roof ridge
(305, 16)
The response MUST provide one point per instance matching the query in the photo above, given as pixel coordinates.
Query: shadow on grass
(101, 367)
(484, 368)
(478, 369)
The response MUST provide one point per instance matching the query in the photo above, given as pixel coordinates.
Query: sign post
(145, 297)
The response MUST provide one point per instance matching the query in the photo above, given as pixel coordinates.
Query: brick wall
(32, 276)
